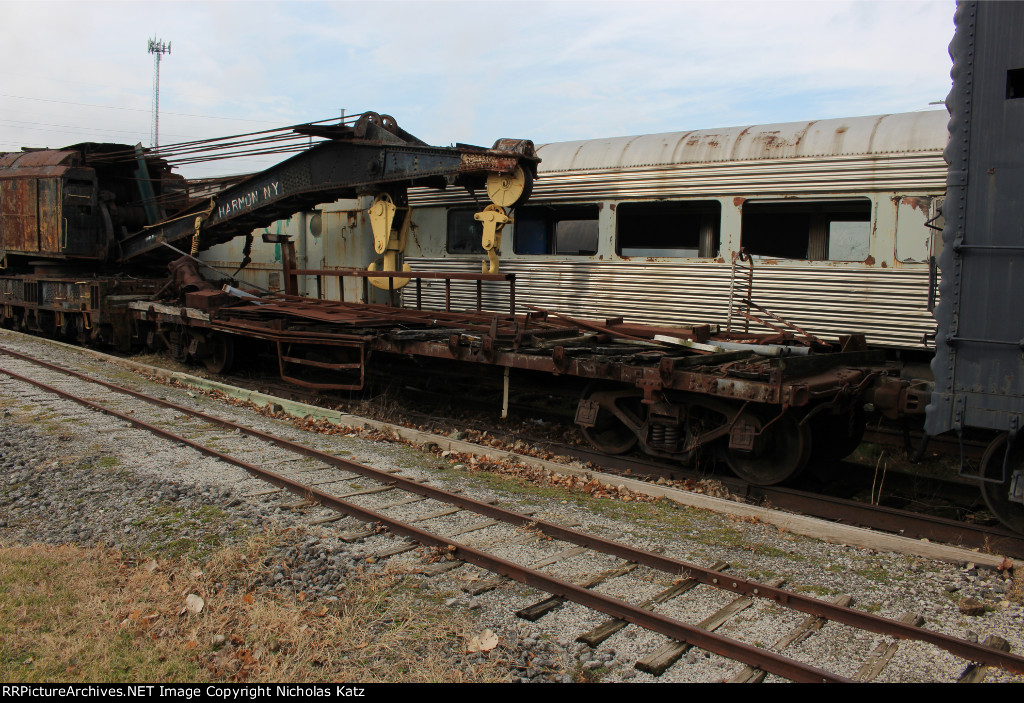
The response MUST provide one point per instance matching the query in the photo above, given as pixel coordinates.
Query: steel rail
(841, 510)
(729, 648)
(970, 651)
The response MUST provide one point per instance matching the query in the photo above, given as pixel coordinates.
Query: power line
(73, 129)
(281, 140)
(133, 109)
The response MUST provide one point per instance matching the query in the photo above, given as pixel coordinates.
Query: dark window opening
(675, 229)
(465, 234)
(566, 230)
(817, 231)
(1015, 83)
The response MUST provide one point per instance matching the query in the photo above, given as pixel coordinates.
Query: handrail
(446, 276)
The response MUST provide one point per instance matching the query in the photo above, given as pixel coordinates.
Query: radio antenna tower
(158, 49)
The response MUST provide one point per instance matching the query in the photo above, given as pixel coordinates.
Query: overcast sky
(460, 71)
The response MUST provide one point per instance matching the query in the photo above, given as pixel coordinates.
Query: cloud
(465, 71)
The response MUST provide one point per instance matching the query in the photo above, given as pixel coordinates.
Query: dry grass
(74, 615)
(1017, 591)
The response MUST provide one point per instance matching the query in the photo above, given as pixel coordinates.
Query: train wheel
(619, 413)
(837, 436)
(222, 354)
(997, 491)
(779, 454)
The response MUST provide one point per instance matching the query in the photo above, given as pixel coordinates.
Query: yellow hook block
(382, 217)
(390, 264)
(493, 218)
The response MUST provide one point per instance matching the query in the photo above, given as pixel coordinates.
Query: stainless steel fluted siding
(909, 173)
(888, 305)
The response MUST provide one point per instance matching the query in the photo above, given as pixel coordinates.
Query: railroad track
(805, 499)
(917, 506)
(484, 532)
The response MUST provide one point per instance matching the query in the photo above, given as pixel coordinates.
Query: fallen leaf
(248, 599)
(484, 642)
(194, 603)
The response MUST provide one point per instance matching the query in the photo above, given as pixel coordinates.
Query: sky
(469, 71)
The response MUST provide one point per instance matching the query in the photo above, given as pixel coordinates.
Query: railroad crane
(86, 228)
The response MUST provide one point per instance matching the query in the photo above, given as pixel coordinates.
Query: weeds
(88, 615)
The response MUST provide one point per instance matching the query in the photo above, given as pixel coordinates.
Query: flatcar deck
(672, 390)
(651, 358)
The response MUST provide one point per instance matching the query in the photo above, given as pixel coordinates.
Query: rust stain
(883, 265)
(922, 204)
(738, 201)
(870, 261)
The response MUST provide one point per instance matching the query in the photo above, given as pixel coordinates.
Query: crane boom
(369, 157)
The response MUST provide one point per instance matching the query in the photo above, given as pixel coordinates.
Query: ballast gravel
(73, 476)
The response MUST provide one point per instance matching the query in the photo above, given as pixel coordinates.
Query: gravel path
(72, 476)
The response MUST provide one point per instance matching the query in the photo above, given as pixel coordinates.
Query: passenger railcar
(834, 213)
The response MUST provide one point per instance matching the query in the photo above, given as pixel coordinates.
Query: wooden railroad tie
(805, 629)
(975, 673)
(609, 627)
(541, 608)
(669, 653)
(883, 652)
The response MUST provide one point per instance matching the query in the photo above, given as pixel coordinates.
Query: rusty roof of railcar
(875, 135)
(37, 159)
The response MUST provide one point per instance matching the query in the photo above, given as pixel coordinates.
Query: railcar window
(1015, 83)
(849, 240)
(465, 234)
(567, 230)
(838, 230)
(671, 229)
